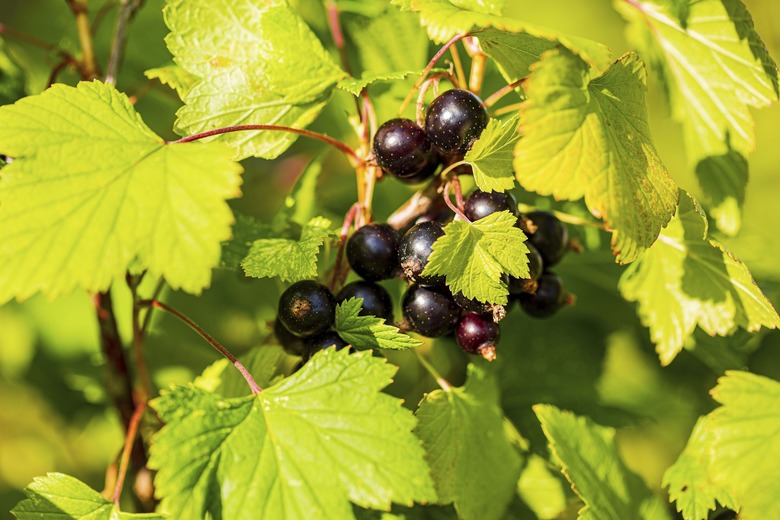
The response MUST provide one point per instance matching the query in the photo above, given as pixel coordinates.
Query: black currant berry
(403, 149)
(322, 341)
(549, 297)
(291, 343)
(415, 248)
(372, 251)
(425, 173)
(518, 286)
(376, 299)
(430, 311)
(550, 236)
(307, 308)
(454, 120)
(478, 334)
(480, 204)
(498, 312)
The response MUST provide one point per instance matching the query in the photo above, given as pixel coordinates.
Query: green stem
(443, 383)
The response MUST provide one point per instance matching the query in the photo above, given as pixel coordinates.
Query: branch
(79, 8)
(421, 203)
(130, 437)
(126, 13)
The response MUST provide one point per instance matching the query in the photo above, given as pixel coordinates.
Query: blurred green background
(595, 359)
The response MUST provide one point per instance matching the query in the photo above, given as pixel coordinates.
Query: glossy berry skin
(430, 311)
(415, 248)
(402, 148)
(480, 204)
(291, 343)
(376, 299)
(549, 297)
(551, 237)
(427, 171)
(477, 333)
(372, 251)
(322, 341)
(518, 286)
(454, 120)
(307, 308)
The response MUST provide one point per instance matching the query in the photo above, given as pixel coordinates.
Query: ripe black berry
(415, 248)
(307, 308)
(498, 312)
(376, 300)
(372, 251)
(426, 172)
(480, 204)
(322, 341)
(454, 120)
(291, 343)
(549, 297)
(403, 149)
(478, 334)
(550, 237)
(430, 311)
(535, 269)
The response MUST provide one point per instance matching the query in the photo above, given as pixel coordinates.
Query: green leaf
(264, 55)
(688, 479)
(364, 332)
(514, 53)
(175, 77)
(93, 191)
(221, 377)
(732, 453)
(444, 19)
(290, 260)
(724, 178)
(491, 156)
(542, 491)
(245, 231)
(686, 280)
(714, 66)
(473, 256)
(589, 459)
(263, 456)
(355, 85)
(57, 497)
(592, 140)
(473, 463)
(13, 84)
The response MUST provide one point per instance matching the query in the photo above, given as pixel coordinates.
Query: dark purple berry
(454, 120)
(478, 334)
(376, 299)
(549, 297)
(430, 311)
(498, 312)
(291, 343)
(480, 204)
(402, 148)
(425, 173)
(307, 308)
(372, 251)
(415, 248)
(550, 236)
(322, 341)
(535, 269)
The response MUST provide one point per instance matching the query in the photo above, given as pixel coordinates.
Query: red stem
(132, 430)
(155, 304)
(240, 128)
(428, 69)
(498, 94)
(452, 206)
(348, 219)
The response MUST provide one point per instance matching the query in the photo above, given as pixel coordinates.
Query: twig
(505, 110)
(59, 67)
(428, 69)
(421, 98)
(155, 304)
(452, 206)
(145, 382)
(458, 65)
(443, 383)
(149, 311)
(338, 35)
(478, 61)
(242, 128)
(48, 47)
(127, 10)
(493, 98)
(132, 430)
(419, 204)
(79, 9)
(349, 218)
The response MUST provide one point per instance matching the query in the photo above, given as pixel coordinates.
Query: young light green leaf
(94, 190)
(290, 260)
(491, 155)
(731, 456)
(472, 256)
(57, 496)
(473, 463)
(723, 179)
(688, 479)
(263, 456)
(592, 140)
(264, 54)
(245, 231)
(221, 377)
(686, 280)
(715, 67)
(364, 332)
(175, 77)
(589, 459)
(541, 490)
(355, 85)
(444, 20)
(514, 53)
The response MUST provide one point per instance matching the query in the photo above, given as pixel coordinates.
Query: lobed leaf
(366, 332)
(591, 139)
(491, 156)
(175, 77)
